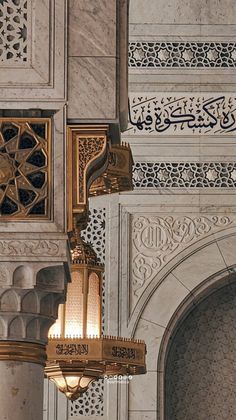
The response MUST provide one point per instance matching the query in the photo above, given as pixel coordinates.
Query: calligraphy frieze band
(182, 54)
(184, 175)
(113, 349)
(155, 113)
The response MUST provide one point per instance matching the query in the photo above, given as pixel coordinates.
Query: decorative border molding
(29, 248)
(197, 55)
(184, 175)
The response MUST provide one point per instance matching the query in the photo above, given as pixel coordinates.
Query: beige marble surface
(92, 88)
(92, 28)
(204, 263)
(142, 415)
(138, 388)
(183, 11)
(227, 247)
(163, 303)
(152, 334)
(22, 398)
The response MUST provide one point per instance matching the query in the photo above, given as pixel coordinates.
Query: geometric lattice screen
(91, 403)
(25, 147)
(13, 31)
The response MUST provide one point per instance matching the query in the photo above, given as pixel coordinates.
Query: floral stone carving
(156, 240)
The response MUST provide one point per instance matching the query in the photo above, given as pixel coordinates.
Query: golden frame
(24, 123)
(86, 166)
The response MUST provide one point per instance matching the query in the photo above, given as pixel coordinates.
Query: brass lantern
(78, 353)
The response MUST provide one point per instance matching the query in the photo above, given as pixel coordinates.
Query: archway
(168, 304)
(200, 369)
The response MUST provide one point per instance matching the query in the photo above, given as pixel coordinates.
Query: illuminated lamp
(78, 353)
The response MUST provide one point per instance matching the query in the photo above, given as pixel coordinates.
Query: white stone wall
(173, 237)
(177, 228)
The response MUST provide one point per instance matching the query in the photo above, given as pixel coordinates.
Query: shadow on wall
(200, 372)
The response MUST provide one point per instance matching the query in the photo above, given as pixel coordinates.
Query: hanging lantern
(78, 353)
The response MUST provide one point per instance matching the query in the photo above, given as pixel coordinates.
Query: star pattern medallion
(24, 168)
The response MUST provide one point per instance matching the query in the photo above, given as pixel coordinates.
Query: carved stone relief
(32, 50)
(184, 175)
(181, 114)
(27, 248)
(157, 239)
(13, 32)
(27, 310)
(201, 54)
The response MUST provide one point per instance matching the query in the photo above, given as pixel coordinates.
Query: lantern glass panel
(93, 306)
(74, 306)
(57, 328)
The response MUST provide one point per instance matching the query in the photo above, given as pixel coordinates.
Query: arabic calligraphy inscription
(154, 113)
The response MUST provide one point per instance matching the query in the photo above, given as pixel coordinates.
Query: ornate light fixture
(78, 353)
(118, 174)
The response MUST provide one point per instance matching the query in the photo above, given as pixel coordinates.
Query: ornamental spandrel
(25, 149)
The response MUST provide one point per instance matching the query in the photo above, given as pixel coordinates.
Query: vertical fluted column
(29, 298)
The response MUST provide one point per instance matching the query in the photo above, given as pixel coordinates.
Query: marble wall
(97, 71)
(177, 227)
(172, 239)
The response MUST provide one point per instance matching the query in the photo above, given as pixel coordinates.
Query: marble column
(29, 298)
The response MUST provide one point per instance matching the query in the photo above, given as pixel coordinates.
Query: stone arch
(46, 305)
(3, 328)
(199, 357)
(30, 303)
(16, 328)
(33, 329)
(52, 278)
(45, 325)
(190, 278)
(23, 277)
(9, 301)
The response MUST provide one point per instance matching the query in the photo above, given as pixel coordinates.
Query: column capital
(29, 297)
